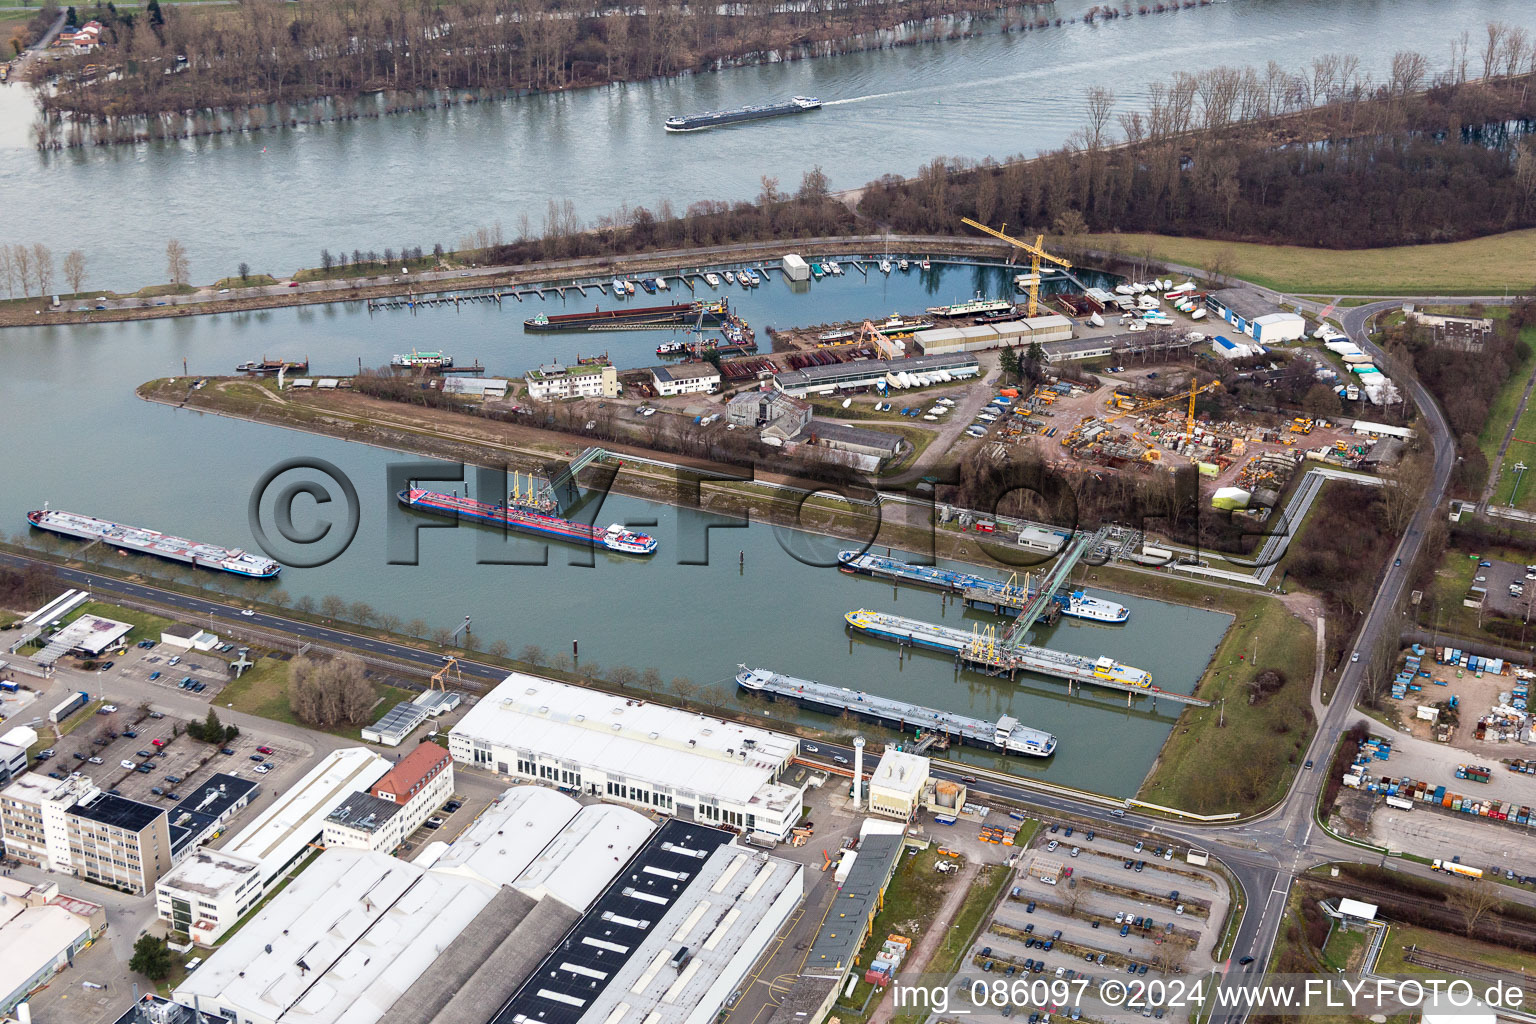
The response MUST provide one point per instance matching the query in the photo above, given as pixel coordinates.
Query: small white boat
(618, 288)
(835, 267)
(1139, 288)
(661, 284)
(1197, 314)
(885, 266)
(926, 265)
(730, 278)
(757, 278)
(743, 280)
(1120, 289)
(1096, 320)
(902, 264)
(712, 280)
(629, 287)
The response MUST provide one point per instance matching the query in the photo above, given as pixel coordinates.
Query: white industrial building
(685, 379)
(396, 805)
(1252, 314)
(558, 848)
(207, 893)
(588, 380)
(695, 956)
(40, 934)
(1020, 333)
(339, 945)
(216, 894)
(188, 638)
(632, 751)
(896, 787)
(544, 908)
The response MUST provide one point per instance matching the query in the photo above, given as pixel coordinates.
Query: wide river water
(274, 199)
(79, 438)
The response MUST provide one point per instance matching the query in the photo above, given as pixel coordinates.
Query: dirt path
(917, 960)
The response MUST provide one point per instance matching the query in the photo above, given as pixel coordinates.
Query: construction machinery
(1195, 391)
(1036, 254)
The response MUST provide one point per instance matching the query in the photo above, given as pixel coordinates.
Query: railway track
(1511, 931)
(1464, 968)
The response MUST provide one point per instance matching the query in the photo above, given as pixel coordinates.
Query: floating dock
(1005, 735)
(998, 658)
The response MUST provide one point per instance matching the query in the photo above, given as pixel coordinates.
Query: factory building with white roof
(627, 750)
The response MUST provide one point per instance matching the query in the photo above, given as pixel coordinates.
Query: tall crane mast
(1195, 390)
(1036, 254)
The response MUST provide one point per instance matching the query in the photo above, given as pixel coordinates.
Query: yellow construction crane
(441, 675)
(1036, 254)
(1195, 390)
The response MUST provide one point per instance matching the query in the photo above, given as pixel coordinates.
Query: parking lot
(176, 669)
(1096, 906)
(147, 755)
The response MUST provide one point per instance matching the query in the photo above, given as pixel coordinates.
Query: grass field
(1241, 756)
(1401, 936)
(1481, 266)
(1523, 447)
(263, 690)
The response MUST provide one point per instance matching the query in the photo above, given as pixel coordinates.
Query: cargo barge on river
(1005, 735)
(998, 657)
(1001, 594)
(678, 314)
(151, 542)
(524, 520)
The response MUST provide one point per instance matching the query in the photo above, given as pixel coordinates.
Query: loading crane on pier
(1036, 254)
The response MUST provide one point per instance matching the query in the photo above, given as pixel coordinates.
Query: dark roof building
(577, 970)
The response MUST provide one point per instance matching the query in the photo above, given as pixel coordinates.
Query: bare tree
(651, 680)
(1475, 898)
(1101, 107)
(21, 255)
(42, 267)
(532, 654)
(177, 269)
(330, 692)
(684, 687)
(8, 270)
(74, 270)
(498, 650)
(623, 676)
(332, 607)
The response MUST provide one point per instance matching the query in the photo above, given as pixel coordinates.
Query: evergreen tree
(150, 958)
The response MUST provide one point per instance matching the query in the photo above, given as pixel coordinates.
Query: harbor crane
(1036, 254)
(440, 677)
(1195, 391)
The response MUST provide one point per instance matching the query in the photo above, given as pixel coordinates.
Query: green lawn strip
(914, 897)
(1241, 758)
(1344, 948)
(1479, 266)
(1403, 937)
(146, 625)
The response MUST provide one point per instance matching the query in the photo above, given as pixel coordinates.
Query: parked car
(262, 769)
(106, 665)
(452, 805)
(128, 764)
(175, 660)
(265, 750)
(106, 709)
(94, 760)
(226, 751)
(146, 753)
(257, 757)
(156, 715)
(173, 779)
(153, 676)
(434, 822)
